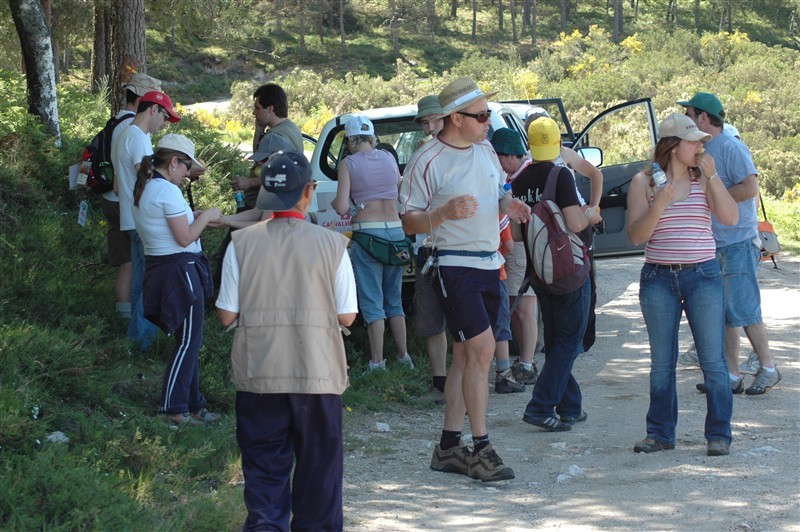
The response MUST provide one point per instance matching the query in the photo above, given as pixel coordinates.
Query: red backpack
(96, 171)
(557, 257)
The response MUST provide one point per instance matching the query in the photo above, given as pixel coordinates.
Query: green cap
(506, 141)
(429, 105)
(705, 101)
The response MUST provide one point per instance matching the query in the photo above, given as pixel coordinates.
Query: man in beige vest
(288, 359)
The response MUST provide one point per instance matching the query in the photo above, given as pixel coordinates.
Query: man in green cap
(738, 246)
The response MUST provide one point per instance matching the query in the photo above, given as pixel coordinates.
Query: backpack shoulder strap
(549, 192)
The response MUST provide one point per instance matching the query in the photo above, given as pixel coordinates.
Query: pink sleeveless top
(683, 233)
(373, 176)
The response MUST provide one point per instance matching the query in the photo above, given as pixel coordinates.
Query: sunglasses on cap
(481, 117)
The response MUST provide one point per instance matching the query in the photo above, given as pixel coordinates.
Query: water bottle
(239, 197)
(659, 176)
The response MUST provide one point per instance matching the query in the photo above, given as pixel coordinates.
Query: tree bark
(128, 47)
(618, 29)
(564, 15)
(37, 54)
(453, 8)
(534, 21)
(526, 16)
(697, 16)
(393, 28)
(101, 46)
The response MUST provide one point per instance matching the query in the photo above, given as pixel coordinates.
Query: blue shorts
(503, 327)
(378, 286)
(428, 316)
(470, 300)
(739, 265)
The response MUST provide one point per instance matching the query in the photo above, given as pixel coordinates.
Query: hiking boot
(431, 396)
(764, 381)
(406, 361)
(737, 387)
(179, 420)
(487, 466)
(652, 445)
(689, 357)
(751, 365)
(718, 448)
(204, 416)
(505, 383)
(522, 375)
(550, 424)
(452, 460)
(576, 419)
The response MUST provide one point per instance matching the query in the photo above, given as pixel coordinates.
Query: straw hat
(459, 94)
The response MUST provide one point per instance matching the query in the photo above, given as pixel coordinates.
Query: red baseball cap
(163, 101)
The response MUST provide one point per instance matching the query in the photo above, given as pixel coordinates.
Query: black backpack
(96, 171)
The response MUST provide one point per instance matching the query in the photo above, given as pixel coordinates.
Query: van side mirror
(592, 154)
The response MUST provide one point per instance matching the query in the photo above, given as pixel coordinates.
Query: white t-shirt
(127, 152)
(111, 195)
(228, 297)
(437, 173)
(162, 200)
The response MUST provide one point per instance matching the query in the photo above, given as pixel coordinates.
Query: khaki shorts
(119, 243)
(516, 263)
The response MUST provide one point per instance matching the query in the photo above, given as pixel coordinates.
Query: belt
(459, 253)
(376, 225)
(675, 267)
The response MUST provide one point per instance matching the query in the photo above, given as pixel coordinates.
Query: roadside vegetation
(65, 365)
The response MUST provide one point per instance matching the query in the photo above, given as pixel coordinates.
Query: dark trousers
(590, 335)
(277, 432)
(181, 387)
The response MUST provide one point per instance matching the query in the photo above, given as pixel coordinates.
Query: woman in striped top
(681, 274)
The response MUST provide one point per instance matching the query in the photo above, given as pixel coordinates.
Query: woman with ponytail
(177, 276)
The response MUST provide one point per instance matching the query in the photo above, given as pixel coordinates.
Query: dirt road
(590, 478)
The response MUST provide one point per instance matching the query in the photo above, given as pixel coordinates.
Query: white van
(622, 139)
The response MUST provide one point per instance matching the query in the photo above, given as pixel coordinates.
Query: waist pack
(557, 257)
(769, 239)
(390, 252)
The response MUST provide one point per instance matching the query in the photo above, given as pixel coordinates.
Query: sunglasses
(187, 163)
(481, 117)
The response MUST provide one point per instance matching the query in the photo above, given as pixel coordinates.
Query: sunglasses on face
(481, 117)
(186, 163)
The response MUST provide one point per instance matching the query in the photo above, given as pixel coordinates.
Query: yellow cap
(544, 139)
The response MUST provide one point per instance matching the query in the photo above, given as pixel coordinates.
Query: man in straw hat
(465, 239)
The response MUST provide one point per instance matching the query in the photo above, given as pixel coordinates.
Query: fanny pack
(390, 252)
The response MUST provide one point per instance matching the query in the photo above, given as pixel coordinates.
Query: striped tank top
(683, 233)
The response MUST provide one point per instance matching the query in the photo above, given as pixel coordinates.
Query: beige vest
(288, 338)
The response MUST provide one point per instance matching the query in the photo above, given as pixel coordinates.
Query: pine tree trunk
(453, 8)
(526, 16)
(534, 21)
(37, 55)
(474, 21)
(618, 29)
(430, 15)
(101, 45)
(514, 37)
(301, 25)
(697, 16)
(500, 15)
(564, 15)
(128, 47)
(341, 23)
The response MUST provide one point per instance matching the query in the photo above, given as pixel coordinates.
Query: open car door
(626, 135)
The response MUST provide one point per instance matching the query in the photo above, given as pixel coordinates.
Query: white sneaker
(689, 357)
(751, 365)
(406, 361)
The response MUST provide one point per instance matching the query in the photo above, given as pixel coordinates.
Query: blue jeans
(564, 318)
(140, 331)
(379, 286)
(663, 295)
(739, 265)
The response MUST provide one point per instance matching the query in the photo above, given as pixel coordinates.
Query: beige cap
(459, 94)
(681, 126)
(140, 84)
